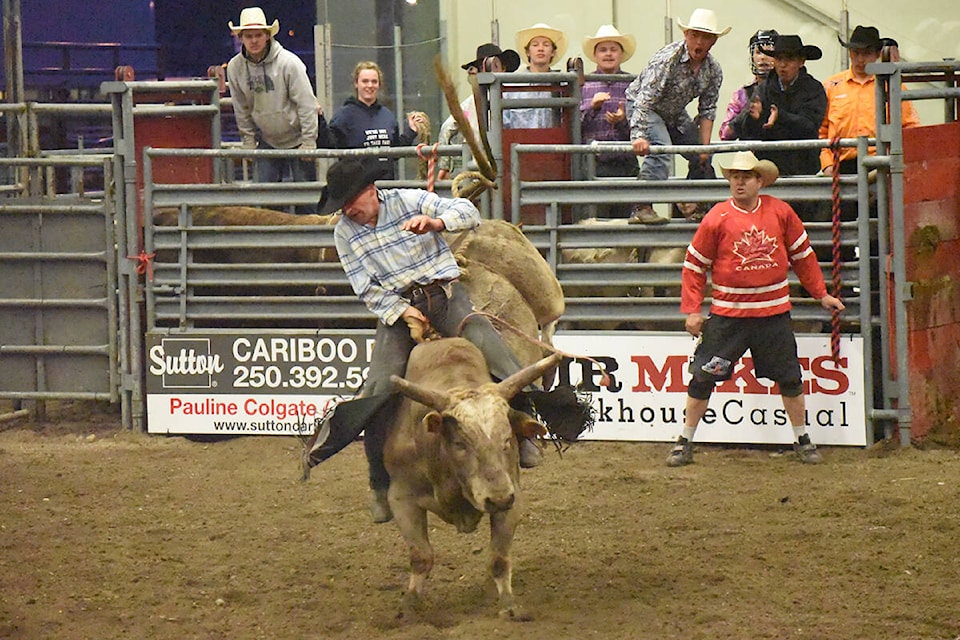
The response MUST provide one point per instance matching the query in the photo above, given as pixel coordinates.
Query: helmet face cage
(763, 41)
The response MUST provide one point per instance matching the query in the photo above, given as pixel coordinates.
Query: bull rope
(604, 379)
(835, 249)
(472, 190)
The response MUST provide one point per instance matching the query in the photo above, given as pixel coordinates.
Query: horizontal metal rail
(53, 303)
(52, 349)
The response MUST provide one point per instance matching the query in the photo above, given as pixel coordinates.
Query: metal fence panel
(58, 311)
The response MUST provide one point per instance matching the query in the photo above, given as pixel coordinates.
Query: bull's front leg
(502, 527)
(412, 522)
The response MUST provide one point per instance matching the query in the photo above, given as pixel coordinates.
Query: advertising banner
(282, 385)
(250, 384)
(645, 395)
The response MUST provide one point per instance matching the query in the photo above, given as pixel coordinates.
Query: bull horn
(432, 398)
(512, 385)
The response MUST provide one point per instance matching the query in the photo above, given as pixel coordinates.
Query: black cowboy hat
(346, 178)
(864, 38)
(509, 58)
(793, 45)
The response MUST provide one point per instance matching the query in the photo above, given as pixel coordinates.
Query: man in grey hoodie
(273, 101)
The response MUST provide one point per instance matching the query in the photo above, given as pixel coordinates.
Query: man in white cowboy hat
(273, 102)
(393, 252)
(658, 99)
(489, 58)
(748, 244)
(603, 106)
(542, 45)
(851, 96)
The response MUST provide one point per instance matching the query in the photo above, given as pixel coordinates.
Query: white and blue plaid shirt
(382, 261)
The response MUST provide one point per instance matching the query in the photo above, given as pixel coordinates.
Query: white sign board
(646, 394)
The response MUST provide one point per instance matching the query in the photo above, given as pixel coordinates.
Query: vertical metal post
(398, 83)
(216, 134)
(845, 34)
(113, 314)
(514, 185)
(890, 140)
(322, 63)
(125, 171)
(668, 23)
(491, 94)
(13, 43)
(866, 288)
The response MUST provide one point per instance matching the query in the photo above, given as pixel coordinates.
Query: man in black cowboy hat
(851, 97)
(788, 105)
(490, 58)
(398, 263)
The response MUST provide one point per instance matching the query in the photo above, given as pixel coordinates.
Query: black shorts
(770, 341)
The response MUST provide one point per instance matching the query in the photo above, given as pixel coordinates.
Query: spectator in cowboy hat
(851, 99)
(273, 101)
(603, 106)
(750, 306)
(392, 249)
(788, 105)
(658, 98)
(542, 45)
(489, 58)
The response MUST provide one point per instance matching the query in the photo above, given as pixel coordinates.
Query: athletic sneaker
(807, 451)
(682, 453)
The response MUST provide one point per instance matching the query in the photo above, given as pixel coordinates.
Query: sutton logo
(185, 363)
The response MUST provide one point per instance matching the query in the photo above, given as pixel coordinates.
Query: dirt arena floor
(106, 533)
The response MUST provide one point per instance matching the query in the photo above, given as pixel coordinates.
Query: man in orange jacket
(851, 103)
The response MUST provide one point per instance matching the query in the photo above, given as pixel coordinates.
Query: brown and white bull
(452, 450)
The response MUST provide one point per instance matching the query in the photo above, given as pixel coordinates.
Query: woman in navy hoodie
(363, 122)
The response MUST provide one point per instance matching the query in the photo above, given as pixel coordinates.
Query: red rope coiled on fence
(835, 247)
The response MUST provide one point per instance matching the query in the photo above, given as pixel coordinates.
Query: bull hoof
(305, 464)
(410, 607)
(515, 613)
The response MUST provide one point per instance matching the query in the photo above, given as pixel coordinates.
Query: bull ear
(512, 385)
(432, 398)
(433, 421)
(525, 426)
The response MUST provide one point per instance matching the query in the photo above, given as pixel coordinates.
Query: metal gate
(58, 302)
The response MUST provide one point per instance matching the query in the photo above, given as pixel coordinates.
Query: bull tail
(567, 411)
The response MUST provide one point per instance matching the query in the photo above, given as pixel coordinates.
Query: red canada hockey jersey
(749, 254)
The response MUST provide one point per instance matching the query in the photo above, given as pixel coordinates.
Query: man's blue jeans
(286, 170)
(657, 166)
